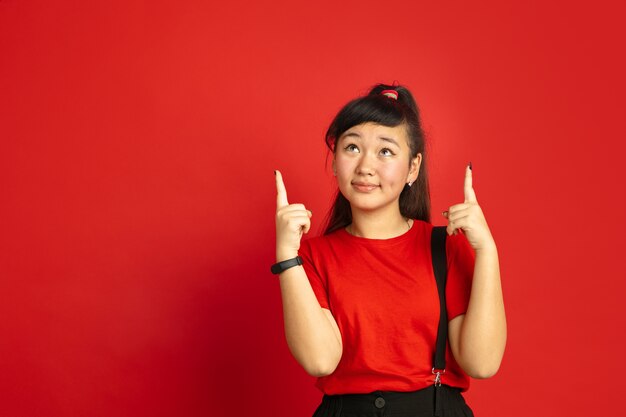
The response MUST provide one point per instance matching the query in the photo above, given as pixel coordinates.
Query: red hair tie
(390, 93)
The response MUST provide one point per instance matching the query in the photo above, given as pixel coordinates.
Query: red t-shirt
(383, 295)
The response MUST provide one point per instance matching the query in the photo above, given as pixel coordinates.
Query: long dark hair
(378, 108)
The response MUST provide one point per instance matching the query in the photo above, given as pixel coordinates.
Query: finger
(452, 230)
(468, 190)
(289, 211)
(293, 207)
(456, 222)
(303, 223)
(297, 219)
(294, 221)
(454, 216)
(281, 192)
(457, 207)
(448, 214)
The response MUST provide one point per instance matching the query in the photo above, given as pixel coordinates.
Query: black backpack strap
(440, 266)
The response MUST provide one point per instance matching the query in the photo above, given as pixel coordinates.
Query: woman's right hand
(291, 221)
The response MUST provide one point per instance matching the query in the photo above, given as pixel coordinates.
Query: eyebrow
(356, 135)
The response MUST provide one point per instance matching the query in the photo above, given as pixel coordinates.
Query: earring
(409, 183)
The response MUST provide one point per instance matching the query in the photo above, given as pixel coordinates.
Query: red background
(138, 141)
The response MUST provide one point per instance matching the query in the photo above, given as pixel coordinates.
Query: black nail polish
(470, 165)
(274, 172)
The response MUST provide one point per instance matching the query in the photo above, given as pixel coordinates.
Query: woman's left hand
(469, 218)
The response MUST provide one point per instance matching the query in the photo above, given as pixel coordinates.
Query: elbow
(323, 365)
(483, 372)
(319, 372)
(482, 364)
(322, 368)
(316, 366)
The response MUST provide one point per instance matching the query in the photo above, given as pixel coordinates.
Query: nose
(366, 165)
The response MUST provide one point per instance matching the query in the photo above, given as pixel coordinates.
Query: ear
(334, 167)
(414, 169)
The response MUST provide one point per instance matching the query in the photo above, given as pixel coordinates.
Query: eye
(351, 148)
(387, 152)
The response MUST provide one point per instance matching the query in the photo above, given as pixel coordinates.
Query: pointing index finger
(468, 190)
(281, 191)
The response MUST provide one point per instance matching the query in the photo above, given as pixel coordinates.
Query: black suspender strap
(440, 267)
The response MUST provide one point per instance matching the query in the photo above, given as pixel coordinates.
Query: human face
(372, 164)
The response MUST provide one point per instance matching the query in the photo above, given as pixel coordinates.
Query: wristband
(284, 265)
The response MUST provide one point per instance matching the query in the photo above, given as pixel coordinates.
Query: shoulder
(458, 249)
(314, 241)
(458, 241)
(422, 230)
(421, 226)
(454, 243)
(320, 244)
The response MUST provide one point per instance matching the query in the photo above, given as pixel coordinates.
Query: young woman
(360, 302)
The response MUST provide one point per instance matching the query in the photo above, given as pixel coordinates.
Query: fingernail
(274, 172)
(470, 165)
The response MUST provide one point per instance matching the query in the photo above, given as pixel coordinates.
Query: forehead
(370, 130)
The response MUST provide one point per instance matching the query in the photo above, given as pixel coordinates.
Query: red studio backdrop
(138, 141)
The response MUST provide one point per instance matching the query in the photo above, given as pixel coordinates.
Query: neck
(378, 225)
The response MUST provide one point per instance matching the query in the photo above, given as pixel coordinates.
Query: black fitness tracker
(284, 265)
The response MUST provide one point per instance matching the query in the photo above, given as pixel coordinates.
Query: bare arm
(312, 333)
(478, 337)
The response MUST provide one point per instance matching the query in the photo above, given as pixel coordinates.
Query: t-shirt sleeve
(318, 284)
(460, 258)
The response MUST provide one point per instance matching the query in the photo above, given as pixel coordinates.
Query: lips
(364, 186)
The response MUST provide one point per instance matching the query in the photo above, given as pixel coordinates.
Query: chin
(358, 204)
